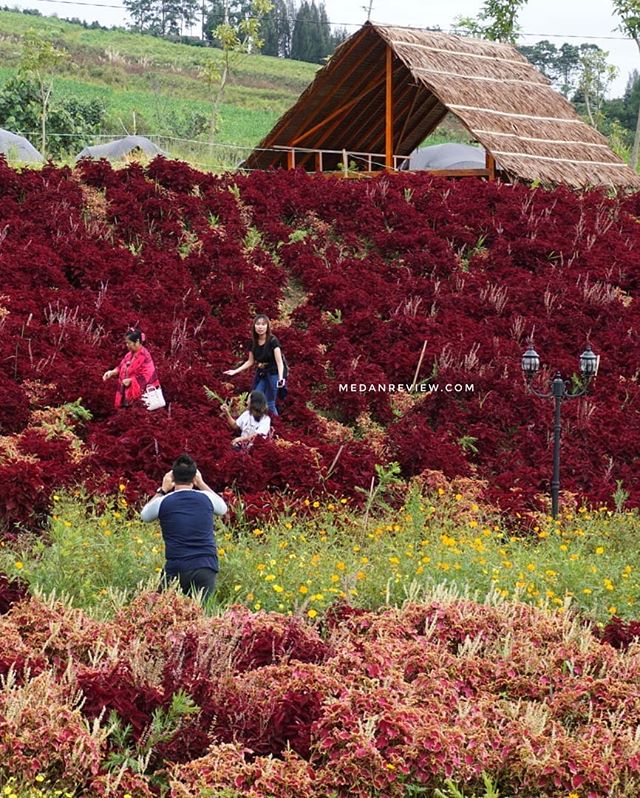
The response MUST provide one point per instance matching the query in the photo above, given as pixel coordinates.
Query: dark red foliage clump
(12, 590)
(369, 271)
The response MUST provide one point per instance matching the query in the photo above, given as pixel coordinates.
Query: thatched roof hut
(386, 88)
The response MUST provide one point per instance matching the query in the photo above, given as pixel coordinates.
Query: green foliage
(490, 791)
(468, 444)
(99, 554)
(620, 496)
(136, 755)
(39, 60)
(311, 37)
(151, 86)
(235, 38)
(497, 21)
(70, 123)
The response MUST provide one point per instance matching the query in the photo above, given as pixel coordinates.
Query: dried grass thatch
(505, 103)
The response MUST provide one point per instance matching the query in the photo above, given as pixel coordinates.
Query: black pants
(192, 582)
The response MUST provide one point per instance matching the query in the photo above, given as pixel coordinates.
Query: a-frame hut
(386, 89)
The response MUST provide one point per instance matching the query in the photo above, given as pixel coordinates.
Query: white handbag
(153, 398)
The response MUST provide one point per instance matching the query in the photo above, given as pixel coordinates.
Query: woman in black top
(266, 355)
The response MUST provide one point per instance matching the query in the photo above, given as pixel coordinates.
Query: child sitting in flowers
(254, 421)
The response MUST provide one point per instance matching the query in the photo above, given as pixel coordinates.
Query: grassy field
(306, 560)
(154, 87)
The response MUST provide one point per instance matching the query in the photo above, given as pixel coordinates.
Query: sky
(573, 21)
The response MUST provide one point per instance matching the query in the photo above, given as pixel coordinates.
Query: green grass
(151, 86)
(303, 565)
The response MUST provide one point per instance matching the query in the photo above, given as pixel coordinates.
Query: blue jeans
(268, 384)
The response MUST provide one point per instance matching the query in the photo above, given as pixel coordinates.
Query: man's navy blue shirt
(187, 522)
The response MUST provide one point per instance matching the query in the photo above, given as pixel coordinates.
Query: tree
(162, 17)
(276, 31)
(39, 60)
(311, 38)
(595, 79)
(497, 21)
(70, 123)
(301, 38)
(629, 13)
(235, 40)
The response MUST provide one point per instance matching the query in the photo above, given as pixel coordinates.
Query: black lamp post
(589, 363)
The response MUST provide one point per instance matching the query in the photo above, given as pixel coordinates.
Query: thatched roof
(507, 105)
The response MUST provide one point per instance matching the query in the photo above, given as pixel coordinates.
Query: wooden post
(291, 159)
(319, 161)
(490, 165)
(388, 138)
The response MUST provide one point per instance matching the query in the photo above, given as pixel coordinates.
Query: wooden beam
(490, 166)
(369, 123)
(333, 89)
(337, 112)
(388, 116)
(419, 87)
(374, 84)
(374, 139)
(291, 159)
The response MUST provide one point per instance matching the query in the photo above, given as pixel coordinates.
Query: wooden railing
(351, 163)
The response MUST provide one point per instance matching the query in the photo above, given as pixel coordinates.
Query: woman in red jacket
(136, 371)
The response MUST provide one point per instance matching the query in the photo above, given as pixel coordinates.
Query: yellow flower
(360, 575)
(531, 566)
(237, 587)
(600, 550)
(343, 501)
(316, 505)
(19, 565)
(278, 588)
(458, 497)
(335, 578)
(312, 613)
(303, 589)
(613, 610)
(587, 590)
(394, 560)
(258, 532)
(257, 605)
(122, 488)
(40, 777)
(563, 547)
(440, 491)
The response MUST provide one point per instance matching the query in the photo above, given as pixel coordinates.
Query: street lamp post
(589, 363)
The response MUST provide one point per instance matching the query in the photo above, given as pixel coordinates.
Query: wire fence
(225, 156)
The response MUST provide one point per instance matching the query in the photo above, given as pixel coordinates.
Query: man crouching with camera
(186, 507)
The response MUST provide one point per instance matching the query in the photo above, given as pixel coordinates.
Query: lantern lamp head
(589, 363)
(530, 362)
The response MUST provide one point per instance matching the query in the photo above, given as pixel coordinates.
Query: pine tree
(300, 40)
(276, 32)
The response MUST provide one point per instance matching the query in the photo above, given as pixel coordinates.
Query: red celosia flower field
(366, 705)
(357, 275)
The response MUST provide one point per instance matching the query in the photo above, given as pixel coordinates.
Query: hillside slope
(159, 81)
(357, 276)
